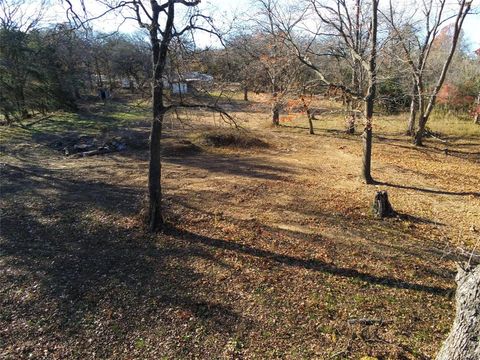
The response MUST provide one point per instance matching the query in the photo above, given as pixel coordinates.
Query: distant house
(189, 82)
(127, 83)
(179, 87)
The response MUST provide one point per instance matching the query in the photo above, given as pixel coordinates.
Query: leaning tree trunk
(463, 342)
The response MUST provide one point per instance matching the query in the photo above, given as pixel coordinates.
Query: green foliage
(392, 97)
(32, 77)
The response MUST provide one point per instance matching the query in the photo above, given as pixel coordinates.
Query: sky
(222, 13)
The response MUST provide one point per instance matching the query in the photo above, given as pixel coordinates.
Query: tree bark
(155, 166)
(310, 122)
(370, 99)
(159, 54)
(367, 154)
(463, 342)
(275, 115)
(413, 110)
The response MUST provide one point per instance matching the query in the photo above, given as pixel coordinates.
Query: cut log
(463, 342)
(381, 205)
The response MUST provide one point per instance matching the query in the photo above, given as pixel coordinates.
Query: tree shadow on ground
(310, 264)
(75, 270)
(429, 191)
(233, 165)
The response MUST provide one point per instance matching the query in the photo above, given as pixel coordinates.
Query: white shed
(179, 88)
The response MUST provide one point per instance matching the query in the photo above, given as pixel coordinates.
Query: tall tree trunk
(370, 99)
(159, 54)
(367, 153)
(462, 12)
(155, 166)
(245, 93)
(463, 342)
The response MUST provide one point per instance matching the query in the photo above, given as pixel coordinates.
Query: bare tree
(355, 36)
(22, 15)
(270, 52)
(417, 45)
(158, 18)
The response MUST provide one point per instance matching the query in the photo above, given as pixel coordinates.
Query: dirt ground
(271, 252)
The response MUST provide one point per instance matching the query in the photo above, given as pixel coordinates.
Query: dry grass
(269, 253)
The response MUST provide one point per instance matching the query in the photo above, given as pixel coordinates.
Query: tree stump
(381, 206)
(463, 342)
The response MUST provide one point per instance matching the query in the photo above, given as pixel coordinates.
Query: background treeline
(44, 69)
(47, 69)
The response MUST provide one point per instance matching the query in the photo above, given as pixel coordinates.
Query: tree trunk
(245, 93)
(463, 342)
(275, 115)
(310, 122)
(155, 166)
(476, 119)
(418, 138)
(370, 98)
(413, 110)
(367, 154)
(159, 55)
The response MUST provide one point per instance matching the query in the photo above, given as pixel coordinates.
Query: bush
(233, 138)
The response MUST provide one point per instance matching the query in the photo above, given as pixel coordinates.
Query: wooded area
(303, 184)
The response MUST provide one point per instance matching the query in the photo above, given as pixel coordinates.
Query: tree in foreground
(158, 17)
(463, 342)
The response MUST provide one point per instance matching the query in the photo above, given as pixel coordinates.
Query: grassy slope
(270, 251)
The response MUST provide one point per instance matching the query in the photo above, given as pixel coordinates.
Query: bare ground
(269, 251)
